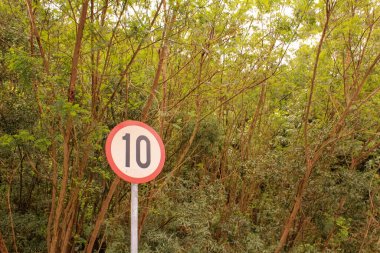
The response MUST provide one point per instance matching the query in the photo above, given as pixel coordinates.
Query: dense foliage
(269, 111)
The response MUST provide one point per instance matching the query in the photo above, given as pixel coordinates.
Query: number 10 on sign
(135, 152)
(127, 138)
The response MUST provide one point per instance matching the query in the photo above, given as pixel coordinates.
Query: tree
(268, 112)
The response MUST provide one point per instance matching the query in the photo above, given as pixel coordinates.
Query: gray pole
(134, 217)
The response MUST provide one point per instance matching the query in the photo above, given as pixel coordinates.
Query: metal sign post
(134, 217)
(136, 154)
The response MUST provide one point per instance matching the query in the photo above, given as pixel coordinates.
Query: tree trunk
(67, 133)
(309, 160)
(101, 215)
(3, 247)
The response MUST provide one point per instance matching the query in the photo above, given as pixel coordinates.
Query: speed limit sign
(135, 152)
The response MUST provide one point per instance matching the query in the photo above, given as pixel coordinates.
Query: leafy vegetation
(269, 111)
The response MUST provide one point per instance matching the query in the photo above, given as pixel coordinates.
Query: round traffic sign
(135, 151)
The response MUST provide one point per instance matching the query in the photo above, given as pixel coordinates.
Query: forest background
(269, 111)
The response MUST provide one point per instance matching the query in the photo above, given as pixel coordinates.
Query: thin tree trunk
(53, 191)
(37, 35)
(164, 95)
(14, 243)
(78, 44)
(101, 215)
(34, 33)
(3, 247)
(309, 161)
(245, 145)
(94, 70)
(67, 234)
(69, 125)
(62, 192)
(153, 91)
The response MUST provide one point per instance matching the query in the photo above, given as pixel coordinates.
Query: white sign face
(135, 152)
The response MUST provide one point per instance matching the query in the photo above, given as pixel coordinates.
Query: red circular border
(114, 166)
